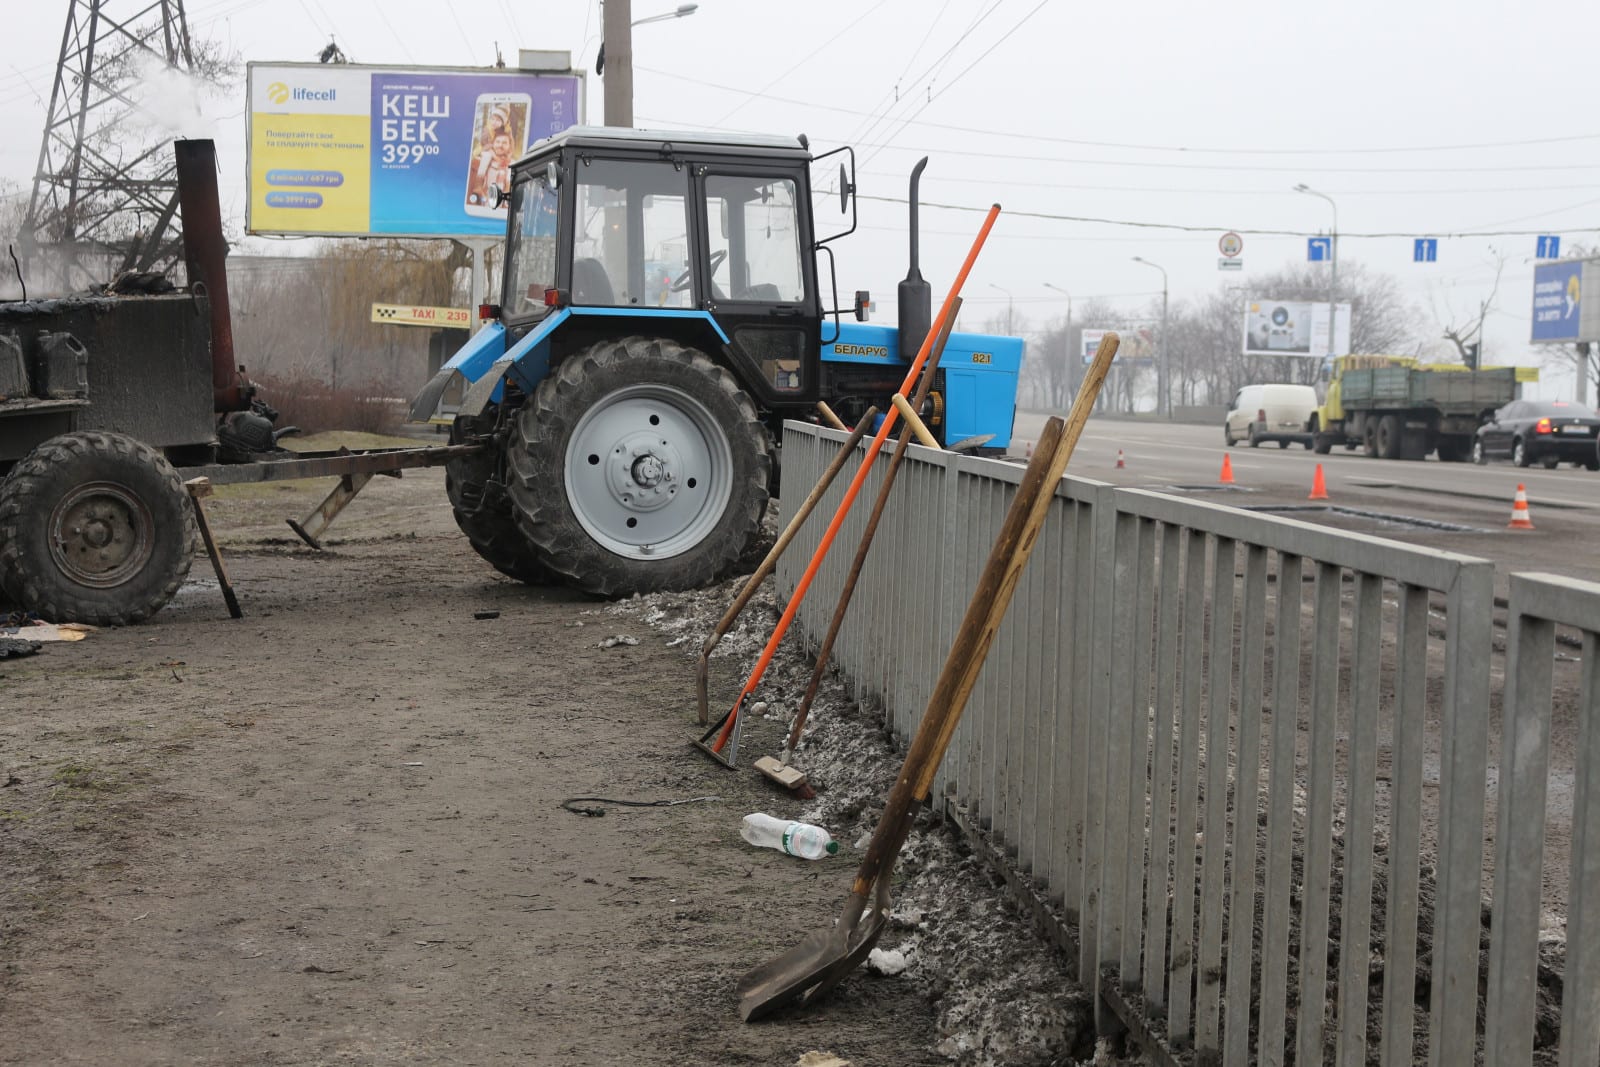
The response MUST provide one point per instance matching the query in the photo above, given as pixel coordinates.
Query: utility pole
(616, 26)
(1163, 368)
(99, 202)
(1066, 371)
(1333, 263)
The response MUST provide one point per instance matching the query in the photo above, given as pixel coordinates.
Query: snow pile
(1001, 993)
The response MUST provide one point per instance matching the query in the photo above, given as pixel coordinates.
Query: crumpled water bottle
(796, 838)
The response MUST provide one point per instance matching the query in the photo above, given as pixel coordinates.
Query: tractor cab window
(632, 245)
(530, 264)
(754, 238)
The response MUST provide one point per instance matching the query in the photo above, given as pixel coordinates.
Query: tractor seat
(590, 285)
(763, 293)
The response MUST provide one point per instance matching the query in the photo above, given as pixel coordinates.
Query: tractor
(662, 311)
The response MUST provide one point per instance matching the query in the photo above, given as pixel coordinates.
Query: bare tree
(1465, 332)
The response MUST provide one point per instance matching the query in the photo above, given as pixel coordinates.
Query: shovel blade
(808, 971)
(866, 936)
(785, 979)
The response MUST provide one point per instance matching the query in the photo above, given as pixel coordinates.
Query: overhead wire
(801, 61)
(892, 96)
(1258, 232)
(930, 74)
(1086, 143)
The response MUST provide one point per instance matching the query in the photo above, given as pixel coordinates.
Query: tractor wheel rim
(101, 534)
(649, 472)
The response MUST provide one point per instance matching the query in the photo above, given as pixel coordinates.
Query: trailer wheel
(484, 514)
(639, 465)
(94, 528)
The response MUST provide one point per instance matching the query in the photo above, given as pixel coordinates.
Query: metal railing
(1239, 761)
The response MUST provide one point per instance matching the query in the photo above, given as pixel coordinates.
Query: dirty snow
(1001, 992)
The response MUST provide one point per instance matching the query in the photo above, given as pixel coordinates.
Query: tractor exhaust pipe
(916, 295)
(204, 254)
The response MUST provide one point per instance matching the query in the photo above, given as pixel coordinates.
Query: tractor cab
(708, 240)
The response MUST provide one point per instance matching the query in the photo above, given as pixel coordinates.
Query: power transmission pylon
(101, 202)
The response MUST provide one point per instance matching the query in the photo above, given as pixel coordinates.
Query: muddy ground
(332, 832)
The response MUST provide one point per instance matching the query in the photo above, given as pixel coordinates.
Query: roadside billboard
(342, 150)
(1294, 328)
(1136, 343)
(1560, 315)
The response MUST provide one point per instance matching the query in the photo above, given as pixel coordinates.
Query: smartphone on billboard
(499, 138)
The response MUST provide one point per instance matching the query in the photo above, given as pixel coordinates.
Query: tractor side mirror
(498, 197)
(844, 190)
(552, 174)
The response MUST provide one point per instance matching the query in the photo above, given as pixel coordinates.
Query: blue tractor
(661, 314)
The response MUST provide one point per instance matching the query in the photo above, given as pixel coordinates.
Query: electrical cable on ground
(572, 804)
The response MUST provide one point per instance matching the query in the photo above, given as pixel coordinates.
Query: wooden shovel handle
(984, 613)
(770, 564)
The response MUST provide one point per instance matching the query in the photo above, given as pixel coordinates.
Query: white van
(1280, 413)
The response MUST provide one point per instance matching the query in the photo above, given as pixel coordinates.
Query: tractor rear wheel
(94, 528)
(638, 465)
(484, 515)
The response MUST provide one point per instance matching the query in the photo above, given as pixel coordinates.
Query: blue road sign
(1425, 250)
(1319, 249)
(1549, 248)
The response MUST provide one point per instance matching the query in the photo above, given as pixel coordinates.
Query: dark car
(1543, 431)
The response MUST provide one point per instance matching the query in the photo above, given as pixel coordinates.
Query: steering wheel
(681, 282)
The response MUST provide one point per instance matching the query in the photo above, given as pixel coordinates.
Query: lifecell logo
(280, 93)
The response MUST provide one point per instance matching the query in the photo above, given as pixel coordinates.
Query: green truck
(1397, 408)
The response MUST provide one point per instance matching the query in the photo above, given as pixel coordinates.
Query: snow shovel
(809, 970)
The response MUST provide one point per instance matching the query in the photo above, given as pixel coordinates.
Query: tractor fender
(471, 361)
(484, 361)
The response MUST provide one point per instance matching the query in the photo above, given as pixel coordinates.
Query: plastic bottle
(795, 838)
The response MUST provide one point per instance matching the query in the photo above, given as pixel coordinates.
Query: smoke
(171, 103)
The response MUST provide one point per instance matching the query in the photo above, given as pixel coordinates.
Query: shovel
(810, 969)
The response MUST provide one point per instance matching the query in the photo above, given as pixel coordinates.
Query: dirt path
(331, 833)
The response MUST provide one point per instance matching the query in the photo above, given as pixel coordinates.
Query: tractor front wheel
(639, 465)
(94, 528)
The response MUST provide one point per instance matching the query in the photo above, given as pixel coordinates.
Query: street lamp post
(615, 62)
(1164, 369)
(1010, 308)
(1333, 261)
(1066, 371)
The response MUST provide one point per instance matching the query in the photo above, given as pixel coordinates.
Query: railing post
(1464, 747)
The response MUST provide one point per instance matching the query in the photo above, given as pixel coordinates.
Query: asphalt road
(1564, 503)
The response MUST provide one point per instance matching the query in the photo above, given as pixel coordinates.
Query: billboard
(1294, 328)
(1559, 313)
(337, 149)
(1136, 343)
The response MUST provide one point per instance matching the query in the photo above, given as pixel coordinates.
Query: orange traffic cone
(1120, 464)
(1227, 471)
(1519, 511)
(1319, 487)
